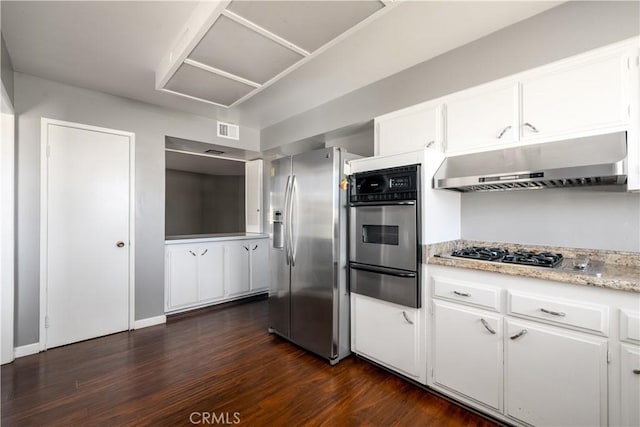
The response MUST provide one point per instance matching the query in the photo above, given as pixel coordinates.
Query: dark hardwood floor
(217, 366)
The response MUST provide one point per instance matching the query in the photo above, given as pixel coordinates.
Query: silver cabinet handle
(636, 371)
(404, 313)
(429, 144)
(246, 248)
(532, 127)
(255, 247)
(503, 131)
(205, 251)
(553, 313)
(192, 253)
(519, 334)
(462, 294)
(487, 327)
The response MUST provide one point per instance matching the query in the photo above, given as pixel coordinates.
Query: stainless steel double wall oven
(384, 232)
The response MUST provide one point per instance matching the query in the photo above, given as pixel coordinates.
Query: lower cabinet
(630, 384)
(554, 377)
(467, 352)
(388, 334)
(198, 274)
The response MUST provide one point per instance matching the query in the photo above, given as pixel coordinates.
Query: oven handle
(386, 203)
(382, 270)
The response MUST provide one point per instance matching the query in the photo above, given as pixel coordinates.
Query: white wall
(578, 218)
(36, 98)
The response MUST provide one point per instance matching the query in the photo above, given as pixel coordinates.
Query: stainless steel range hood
(593, 160)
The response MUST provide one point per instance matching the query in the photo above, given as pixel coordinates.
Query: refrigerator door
(279, 294)
(314, 225)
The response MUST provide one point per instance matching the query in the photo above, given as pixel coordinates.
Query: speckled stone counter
(607, 269)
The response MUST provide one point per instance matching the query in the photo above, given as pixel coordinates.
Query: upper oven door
(384, 235)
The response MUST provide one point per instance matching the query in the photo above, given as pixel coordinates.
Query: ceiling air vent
(216, 152)
(227, 130)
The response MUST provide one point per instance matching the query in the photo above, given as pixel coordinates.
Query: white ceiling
(115, 47)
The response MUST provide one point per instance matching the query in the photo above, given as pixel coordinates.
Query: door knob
(120, 244)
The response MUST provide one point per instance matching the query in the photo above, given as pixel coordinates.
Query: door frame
(44, 199)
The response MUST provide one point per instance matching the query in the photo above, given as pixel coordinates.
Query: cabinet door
(630, 382)
(581, 97)
(409, 131)
(211, 271)
(236, 267)
(554, 377)
(182, 276)
(387, 333)
(260, 272)
(467, 353)
(481, 119)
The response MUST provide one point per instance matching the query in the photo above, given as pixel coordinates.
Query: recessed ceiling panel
(308, 24)
(238, 50)
(202, 84)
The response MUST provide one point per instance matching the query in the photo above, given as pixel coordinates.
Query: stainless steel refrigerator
(309, 297)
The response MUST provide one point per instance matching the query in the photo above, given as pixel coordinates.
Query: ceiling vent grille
(228, 130)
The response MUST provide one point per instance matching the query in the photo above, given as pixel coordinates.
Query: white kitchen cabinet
(210, 272)
(236, 260)
(630, 384)
(181, 276)
(481, 118)
(253, 196)
(577, 97)
(260, 273)
(409, 130)
(467, 352)
(554, 377)
(388, 334)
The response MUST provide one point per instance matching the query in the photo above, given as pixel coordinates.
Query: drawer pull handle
(404, 314)
(255, 247)
(192, 253)
(553, 313)
(487, 327)
(205, 251)
(503, 131)
(532, 127)
(245, 248)
(519, 334)
(636, 371)
(462, 294)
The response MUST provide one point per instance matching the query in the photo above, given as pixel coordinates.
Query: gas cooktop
(522, 257)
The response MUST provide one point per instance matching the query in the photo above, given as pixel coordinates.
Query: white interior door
(6, 229)
(253, 196)
(87, 226)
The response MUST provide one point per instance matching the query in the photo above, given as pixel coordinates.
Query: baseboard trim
(26, 350)
(149, 321)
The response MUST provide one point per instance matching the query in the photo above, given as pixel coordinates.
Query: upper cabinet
(481, 118)
(578, 97)
(593, 93)
(409, 130)
(253, 196)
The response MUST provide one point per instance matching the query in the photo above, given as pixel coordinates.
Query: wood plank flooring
(215, 367)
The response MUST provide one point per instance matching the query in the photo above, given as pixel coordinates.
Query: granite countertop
(213, 237)
(606, 269)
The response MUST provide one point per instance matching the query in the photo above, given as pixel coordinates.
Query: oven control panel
(393, 184)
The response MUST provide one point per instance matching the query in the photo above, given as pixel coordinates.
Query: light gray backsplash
(36, 98)
(578, 218)
(569, 29)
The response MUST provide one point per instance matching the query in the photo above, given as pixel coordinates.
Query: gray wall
(577, 218)
(360, 143)
(569, 29)
(6, 70)
(36, 98)
(201, 204)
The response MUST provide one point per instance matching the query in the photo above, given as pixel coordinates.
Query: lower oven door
(388, 284)
(384, 235)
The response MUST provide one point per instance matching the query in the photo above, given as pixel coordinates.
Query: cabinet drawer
(629, 326)
(486, 297)
(578, 315)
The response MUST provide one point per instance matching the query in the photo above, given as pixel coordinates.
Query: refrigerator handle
(286, 220)
(292, 248)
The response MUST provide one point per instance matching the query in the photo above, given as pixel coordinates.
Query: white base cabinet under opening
(204, 273)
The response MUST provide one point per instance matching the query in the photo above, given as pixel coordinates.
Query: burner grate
(538, 259)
